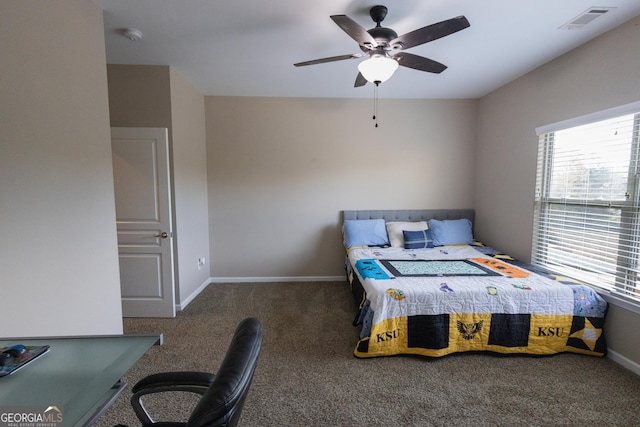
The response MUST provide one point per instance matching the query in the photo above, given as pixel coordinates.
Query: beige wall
(281, 170)
(58, 256)
(139, 96)
(157, 96)
(190, 181)
(596, 76)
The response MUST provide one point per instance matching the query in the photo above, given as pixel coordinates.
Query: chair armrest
(194, 382)
(174, 379)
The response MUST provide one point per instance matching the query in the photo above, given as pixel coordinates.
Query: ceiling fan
(386, 50)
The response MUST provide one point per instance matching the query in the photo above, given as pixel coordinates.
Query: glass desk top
(81, 375)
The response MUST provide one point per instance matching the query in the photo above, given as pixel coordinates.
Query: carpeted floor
(307, 374)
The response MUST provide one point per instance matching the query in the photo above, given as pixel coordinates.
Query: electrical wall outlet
(201, 263)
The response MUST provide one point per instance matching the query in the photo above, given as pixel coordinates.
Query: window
(587, 201)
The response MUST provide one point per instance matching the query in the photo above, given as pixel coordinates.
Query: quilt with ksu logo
(451, 299)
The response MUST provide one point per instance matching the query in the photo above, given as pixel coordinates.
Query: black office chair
(223, 394)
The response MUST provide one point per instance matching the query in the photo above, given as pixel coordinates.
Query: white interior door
(143, 216)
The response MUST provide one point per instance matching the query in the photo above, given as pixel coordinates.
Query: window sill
(616, 300)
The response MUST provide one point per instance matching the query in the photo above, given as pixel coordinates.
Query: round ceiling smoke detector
(132, 34)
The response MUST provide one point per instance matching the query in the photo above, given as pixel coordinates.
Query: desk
(80, 375)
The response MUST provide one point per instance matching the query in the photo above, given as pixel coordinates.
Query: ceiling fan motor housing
(382, 35)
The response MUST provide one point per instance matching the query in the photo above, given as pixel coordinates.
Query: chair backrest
(222, 403)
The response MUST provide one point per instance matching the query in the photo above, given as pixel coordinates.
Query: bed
(424, 286)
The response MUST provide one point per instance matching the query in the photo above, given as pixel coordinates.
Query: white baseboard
(278, 279)
(621, 360)
(183, 304)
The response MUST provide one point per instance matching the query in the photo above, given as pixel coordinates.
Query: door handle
(163, 234)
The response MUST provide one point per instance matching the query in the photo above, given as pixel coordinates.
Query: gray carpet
(307, 374)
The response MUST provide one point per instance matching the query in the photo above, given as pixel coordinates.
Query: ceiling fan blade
(329, 59)
(431, 32)
(419, 63)
(354, 30)
(360, 80)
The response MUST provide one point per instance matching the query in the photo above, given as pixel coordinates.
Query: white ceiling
(248, 47)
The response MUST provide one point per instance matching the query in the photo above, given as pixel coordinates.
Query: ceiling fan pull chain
(375, 102)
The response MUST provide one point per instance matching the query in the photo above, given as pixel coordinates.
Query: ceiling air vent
(586, 17)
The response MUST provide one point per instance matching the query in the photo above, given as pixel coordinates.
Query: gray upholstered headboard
(410, 214)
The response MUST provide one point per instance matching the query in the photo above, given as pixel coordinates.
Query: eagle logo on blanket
(469, 330)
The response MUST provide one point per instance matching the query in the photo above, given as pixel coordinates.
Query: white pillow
(395, 228)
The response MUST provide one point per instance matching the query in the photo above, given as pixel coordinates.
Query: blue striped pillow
(417, 239)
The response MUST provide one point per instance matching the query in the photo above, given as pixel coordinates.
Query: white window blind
(587, 210)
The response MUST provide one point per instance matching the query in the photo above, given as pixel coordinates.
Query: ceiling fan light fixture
(378, 68)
